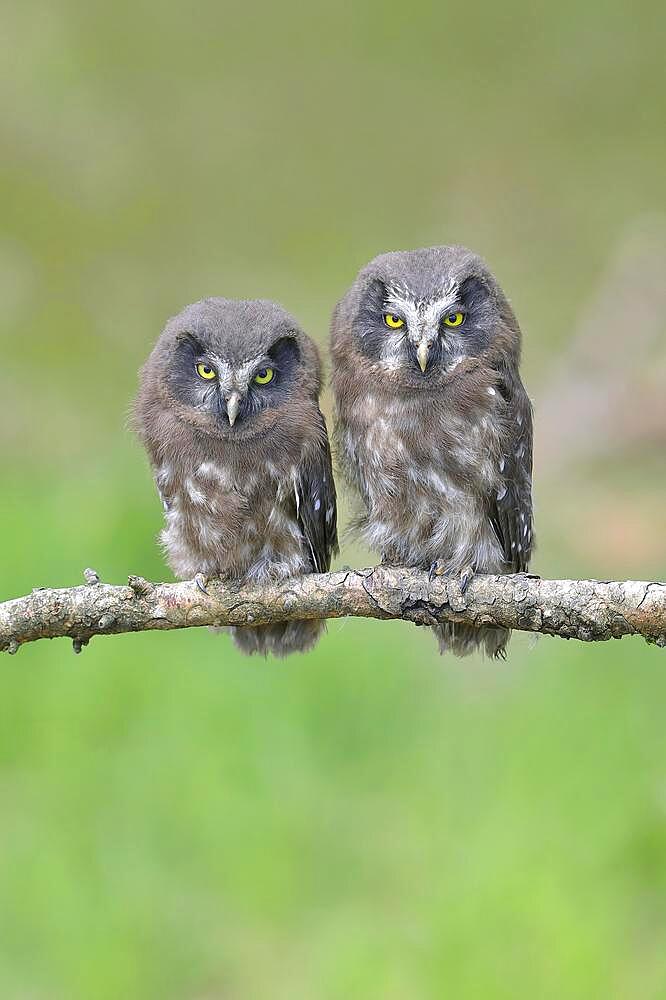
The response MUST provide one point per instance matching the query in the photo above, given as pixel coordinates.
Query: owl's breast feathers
(257, 508)
(431, 468)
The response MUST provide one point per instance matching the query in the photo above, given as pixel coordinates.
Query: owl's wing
(316, 509)
(511, 509)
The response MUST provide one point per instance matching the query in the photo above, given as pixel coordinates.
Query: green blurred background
(367, 821)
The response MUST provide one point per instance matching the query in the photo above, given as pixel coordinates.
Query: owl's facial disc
(424, 335)
(231, 392)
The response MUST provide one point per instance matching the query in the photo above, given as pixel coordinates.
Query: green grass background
(368, 821)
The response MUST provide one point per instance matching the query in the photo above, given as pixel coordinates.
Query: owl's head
(228, 366)
(418, 314)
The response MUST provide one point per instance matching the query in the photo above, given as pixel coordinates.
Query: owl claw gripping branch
(433, 424)
(228, 412)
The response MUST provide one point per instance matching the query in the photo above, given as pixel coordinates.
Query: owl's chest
(420, 453)
(229, 525)
(425, 474)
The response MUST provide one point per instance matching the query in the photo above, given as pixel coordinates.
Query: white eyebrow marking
(245, 371)
(222, 367)
(421, 315)
(235, 376)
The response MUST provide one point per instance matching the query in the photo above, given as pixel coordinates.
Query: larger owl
(228, 412)
(433, 424)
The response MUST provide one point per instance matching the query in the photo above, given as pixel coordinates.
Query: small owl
(433, 424)
(228, 411)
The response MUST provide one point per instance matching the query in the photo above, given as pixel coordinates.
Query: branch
(572, 609)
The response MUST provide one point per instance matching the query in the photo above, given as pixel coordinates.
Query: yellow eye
(264, 376)
(454, 319)
(395, 322)
(205, 371)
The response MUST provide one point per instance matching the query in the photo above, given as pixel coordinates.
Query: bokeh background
(367, 821)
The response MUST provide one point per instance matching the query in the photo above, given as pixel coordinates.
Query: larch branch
(590, 610)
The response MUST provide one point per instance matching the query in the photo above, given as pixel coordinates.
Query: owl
(433, 424)
(228, 412)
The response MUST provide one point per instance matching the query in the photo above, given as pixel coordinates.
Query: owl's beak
(422, 352)
(233, 403)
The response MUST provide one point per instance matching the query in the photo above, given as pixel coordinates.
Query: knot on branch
(140, 586)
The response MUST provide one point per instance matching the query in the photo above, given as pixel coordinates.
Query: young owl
(228, 411)
(433, 424)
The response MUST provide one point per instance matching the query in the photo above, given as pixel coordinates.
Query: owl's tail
(280, 640)
(461, 640)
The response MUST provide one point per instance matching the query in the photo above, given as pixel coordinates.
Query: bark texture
(589, 610)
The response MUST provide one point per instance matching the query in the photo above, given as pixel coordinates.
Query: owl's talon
(438, 568)
(201, 580)
(466, 577)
